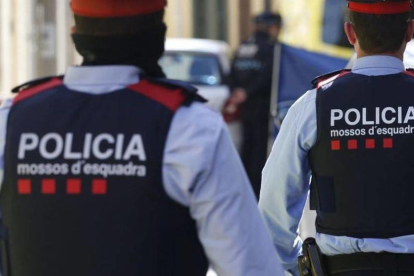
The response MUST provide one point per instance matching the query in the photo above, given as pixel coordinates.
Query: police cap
(268, 18)
(116, 8)
(380, 6)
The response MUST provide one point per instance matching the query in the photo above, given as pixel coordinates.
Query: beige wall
(257, 6)
(179, 18)
(15, 44)
(234, 22)
(275, 5)
(23, 54)
(6, 72)
(19, 50)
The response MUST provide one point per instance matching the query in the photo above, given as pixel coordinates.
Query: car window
(198, 69)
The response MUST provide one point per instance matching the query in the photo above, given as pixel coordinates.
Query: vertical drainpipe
(6, 47)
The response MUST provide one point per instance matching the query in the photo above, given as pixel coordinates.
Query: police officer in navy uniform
(353, 136)
(251, 77)
(114, 170)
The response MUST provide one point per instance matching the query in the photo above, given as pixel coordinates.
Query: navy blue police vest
(363, 160)
(83, 191)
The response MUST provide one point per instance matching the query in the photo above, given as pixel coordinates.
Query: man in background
(252, 83)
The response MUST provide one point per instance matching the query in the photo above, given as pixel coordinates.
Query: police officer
(353, 134)
(107, 172)
(252, 83)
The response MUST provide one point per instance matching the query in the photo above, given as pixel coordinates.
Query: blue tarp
(299, 67)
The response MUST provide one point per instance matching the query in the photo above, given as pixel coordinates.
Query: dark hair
(118, 25)
(269, 18)
(380, 33)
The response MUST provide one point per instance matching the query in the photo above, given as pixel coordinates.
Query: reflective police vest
(363, 160)
(83, 191)
(254, 63)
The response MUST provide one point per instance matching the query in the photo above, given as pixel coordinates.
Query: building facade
(35, 34)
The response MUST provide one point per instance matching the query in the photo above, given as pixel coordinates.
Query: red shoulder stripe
(170, 98)
(324, 82)
(391, 7)
(25, 94)
(410, 73)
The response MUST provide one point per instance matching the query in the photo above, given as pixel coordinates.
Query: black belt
(369, 262)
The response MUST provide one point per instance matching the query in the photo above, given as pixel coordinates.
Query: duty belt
(369, 262)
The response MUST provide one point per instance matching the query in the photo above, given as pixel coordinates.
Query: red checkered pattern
(352, 144)
(73, 186)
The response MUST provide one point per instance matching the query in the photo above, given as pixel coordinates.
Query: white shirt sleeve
(285, 180)
(203, 171)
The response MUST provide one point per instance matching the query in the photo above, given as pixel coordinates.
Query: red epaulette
(328, 78)
(35, 87)
(409, 71)
(171, 94)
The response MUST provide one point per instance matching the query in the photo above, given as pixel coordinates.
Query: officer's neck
(398, 54)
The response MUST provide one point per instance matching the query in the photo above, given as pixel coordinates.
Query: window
(195, 68)
(210, 19)
(335, 15)
(45, 38)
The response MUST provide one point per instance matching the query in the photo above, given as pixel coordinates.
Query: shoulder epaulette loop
(327, 78)
(190, 92)
(33, 83)
(409, 71)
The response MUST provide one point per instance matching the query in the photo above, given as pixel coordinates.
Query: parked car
(201, 62)
(205, 64)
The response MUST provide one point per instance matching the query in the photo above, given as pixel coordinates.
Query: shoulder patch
(33, 88)
(330, 77)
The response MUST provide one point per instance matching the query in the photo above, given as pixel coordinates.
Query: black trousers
(255, 118)
(374, 273)
(370, 264)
